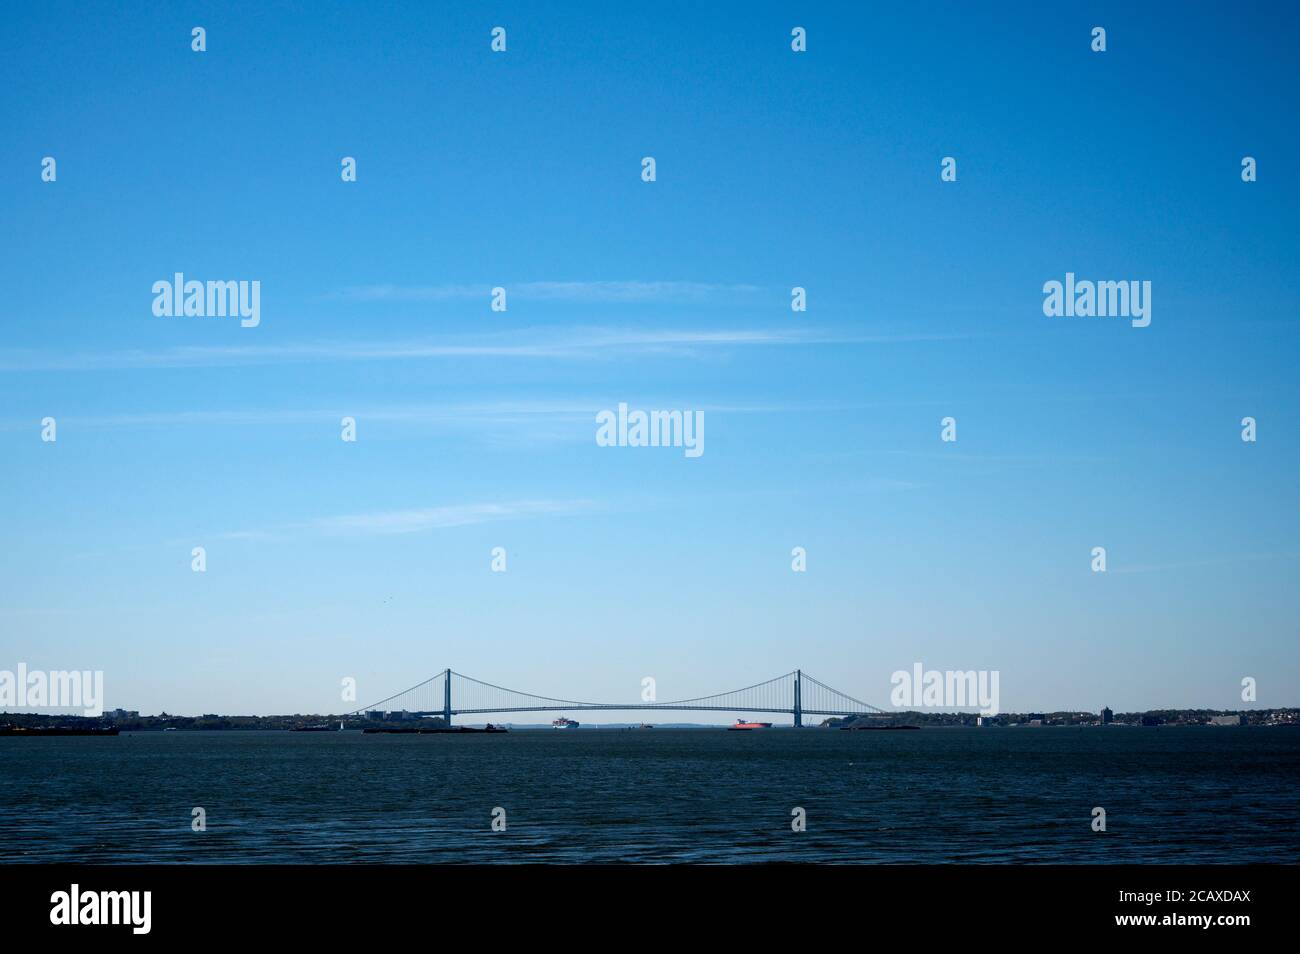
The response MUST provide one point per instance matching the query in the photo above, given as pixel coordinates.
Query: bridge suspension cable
(821, 699)
(412, 697)
(484, 696)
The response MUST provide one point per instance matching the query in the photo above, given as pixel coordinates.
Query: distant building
(120, 714)
(1227, 720)
(1107, 717)
(375, 715)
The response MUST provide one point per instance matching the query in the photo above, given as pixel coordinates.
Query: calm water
(937, 795)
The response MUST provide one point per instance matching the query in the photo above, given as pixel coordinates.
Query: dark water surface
(938, 795)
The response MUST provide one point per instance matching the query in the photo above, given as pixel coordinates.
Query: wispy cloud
(581, 343)
(530, 416)
(1197, 564)
(570, 292)
(997, 458)
(467, 414)
(423, 518)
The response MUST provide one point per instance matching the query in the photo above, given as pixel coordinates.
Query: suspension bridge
(450, 693)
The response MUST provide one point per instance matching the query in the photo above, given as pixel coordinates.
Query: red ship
(742, 724)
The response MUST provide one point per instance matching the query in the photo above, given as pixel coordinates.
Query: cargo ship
(742, 724)
(563, 723)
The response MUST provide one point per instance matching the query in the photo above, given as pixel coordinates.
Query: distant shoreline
(1171, 718)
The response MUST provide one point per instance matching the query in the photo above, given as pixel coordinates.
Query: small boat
(742, 724)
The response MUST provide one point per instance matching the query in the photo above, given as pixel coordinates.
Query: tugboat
(563, 723)
(742, 724)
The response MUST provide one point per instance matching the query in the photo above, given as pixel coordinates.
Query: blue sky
(476, 429)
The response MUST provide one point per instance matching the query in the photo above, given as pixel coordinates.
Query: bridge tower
(446, 697)
(798, 706)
